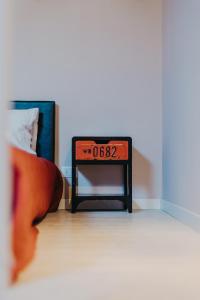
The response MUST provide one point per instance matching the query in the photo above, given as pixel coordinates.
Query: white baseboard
(182, 214)
(62, 204)
(148, 203)
(137, 204)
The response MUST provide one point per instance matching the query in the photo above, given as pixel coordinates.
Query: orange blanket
(37, 189)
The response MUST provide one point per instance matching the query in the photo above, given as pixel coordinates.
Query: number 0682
(104, 151)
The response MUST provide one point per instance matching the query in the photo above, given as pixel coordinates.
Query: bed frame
(46, 126)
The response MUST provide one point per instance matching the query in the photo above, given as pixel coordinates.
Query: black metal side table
(102, 151)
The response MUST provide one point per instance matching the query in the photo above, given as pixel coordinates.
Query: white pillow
(23, 128)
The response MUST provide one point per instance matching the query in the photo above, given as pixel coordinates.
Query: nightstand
(102, 151)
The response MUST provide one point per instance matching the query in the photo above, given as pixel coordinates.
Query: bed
(37, 185)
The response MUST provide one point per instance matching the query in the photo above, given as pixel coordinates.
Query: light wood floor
(139, 250)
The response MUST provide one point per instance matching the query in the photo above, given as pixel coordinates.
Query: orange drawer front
(89, 150)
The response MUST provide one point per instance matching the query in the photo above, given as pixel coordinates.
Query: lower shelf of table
(101, 197)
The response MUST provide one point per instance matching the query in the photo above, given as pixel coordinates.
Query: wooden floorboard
(116, 242)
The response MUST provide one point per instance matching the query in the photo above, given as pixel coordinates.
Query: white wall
(5, 59)
(182, 104)
(101, 61)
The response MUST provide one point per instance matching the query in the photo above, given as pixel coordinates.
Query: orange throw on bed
(37, 189)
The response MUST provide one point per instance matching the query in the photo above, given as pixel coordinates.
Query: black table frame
(127, 173)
